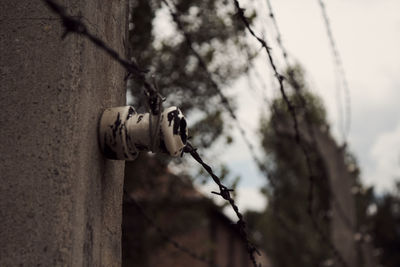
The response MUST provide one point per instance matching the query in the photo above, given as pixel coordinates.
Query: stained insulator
(123, 132)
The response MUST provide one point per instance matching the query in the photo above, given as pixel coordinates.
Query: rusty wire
(225, 193)
(285, 55)
(224, 100)
(278, 76)
(73, 24)
(301, 144)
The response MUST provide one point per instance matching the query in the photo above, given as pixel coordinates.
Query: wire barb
(278, 76)
(292, 111)
(224, 100)
(225, 194)
(73, 24)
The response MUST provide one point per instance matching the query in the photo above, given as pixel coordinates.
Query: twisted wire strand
(72, 25)
(75, 25)
(285, 55)
(225, 193)
(300, 143)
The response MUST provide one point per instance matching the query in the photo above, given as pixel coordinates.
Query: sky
(367, 35)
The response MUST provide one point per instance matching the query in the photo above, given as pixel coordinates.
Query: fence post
(60, 199)
(343, 220)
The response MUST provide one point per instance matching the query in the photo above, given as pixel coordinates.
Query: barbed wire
(278, 76)
(297, 90)
(339, 208)
(340, 70)
(226, 104)
(341, 212)
(131, 200)
(302, 145)
(176, 19)
(224, 192)
(73, 25)
(278, 33)
(224, 100)
(346, 220)
(302, 100)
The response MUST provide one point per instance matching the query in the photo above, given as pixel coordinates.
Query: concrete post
(340, 182)
(60, 199)
(342, 203)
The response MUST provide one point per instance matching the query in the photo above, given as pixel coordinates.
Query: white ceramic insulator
(123, 132)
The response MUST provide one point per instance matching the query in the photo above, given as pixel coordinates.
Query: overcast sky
(367, 34)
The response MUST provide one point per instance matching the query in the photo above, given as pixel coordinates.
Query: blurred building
(182, 214)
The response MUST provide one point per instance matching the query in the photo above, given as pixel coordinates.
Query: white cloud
(250, 198)
(386, 153)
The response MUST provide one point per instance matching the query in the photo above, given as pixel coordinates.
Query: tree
(386, 227)
(379, 223)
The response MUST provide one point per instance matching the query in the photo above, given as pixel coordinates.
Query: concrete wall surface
(60, 199)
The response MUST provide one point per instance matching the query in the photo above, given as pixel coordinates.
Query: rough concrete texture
(60, 199)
